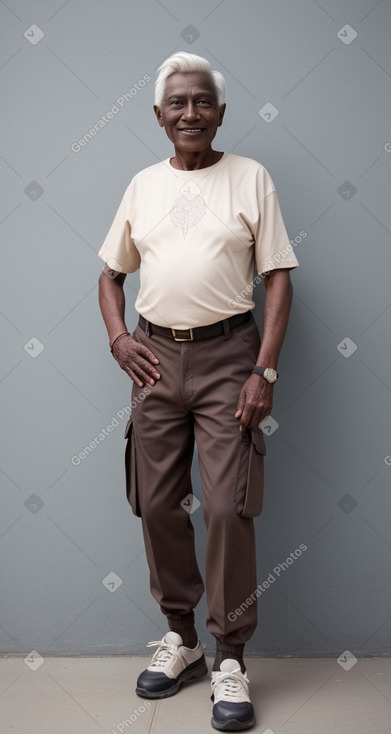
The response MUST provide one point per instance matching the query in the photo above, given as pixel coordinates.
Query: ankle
(188, 634)
(184, 626)
(225, 651)
(189, 637)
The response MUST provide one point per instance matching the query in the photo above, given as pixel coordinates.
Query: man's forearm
(135, 359)
(278, 301)
(112, 304)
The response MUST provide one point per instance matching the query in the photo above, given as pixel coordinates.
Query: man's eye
(175, 102)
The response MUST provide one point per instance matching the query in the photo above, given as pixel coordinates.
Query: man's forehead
(189, 81)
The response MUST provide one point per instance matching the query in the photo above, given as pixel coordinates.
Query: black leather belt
(198, 332)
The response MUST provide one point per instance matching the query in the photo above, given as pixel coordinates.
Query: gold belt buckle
(182, 339)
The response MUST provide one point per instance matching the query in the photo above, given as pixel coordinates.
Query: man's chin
(194, 145)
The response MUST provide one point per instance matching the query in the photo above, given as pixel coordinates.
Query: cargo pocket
(249, 490)
(130, 468)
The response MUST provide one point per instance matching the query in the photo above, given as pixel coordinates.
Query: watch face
(270, 374)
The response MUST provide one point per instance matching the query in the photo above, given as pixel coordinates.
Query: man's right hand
(136, 360)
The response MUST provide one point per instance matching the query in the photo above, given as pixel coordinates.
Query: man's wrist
(268, 373)
(123, 333)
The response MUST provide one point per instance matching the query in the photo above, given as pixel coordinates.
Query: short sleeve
(118, 249)
(272, 246)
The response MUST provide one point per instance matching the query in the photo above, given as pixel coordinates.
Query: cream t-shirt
(196, 236)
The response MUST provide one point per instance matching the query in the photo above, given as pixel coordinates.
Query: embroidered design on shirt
(189, 209)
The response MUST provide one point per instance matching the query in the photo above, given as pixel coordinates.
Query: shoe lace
(231, 684)
(163, 654)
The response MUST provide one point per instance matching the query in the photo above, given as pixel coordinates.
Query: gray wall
(66, 526)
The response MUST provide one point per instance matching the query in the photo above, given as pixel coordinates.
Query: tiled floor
(79, 695)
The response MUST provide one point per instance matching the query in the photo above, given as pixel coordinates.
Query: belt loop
(148, 328)
(227, 330)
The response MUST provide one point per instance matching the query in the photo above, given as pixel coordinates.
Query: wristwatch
(267, 372)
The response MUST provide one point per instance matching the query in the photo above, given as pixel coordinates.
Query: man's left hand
(255, 402)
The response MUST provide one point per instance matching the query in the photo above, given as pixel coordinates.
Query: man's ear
(221, 114)
(158, 114)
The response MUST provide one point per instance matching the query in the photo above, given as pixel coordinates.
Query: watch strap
(260, 371)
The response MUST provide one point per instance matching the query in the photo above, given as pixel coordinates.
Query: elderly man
(197, 224)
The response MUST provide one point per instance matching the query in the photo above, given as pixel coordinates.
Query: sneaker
(232, 710)
(172, 664)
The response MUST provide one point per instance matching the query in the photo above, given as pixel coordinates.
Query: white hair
(182, 61)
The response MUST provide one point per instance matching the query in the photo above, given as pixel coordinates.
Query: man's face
(189, 111)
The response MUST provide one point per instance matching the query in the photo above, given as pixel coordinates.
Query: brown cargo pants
(196, 399)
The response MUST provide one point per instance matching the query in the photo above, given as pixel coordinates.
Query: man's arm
(135, 359)
(256, 395)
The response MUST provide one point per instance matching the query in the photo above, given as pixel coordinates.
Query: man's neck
(193, 161)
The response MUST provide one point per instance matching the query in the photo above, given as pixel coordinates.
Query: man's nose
(190, 112)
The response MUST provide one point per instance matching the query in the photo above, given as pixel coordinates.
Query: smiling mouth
(192, 130)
